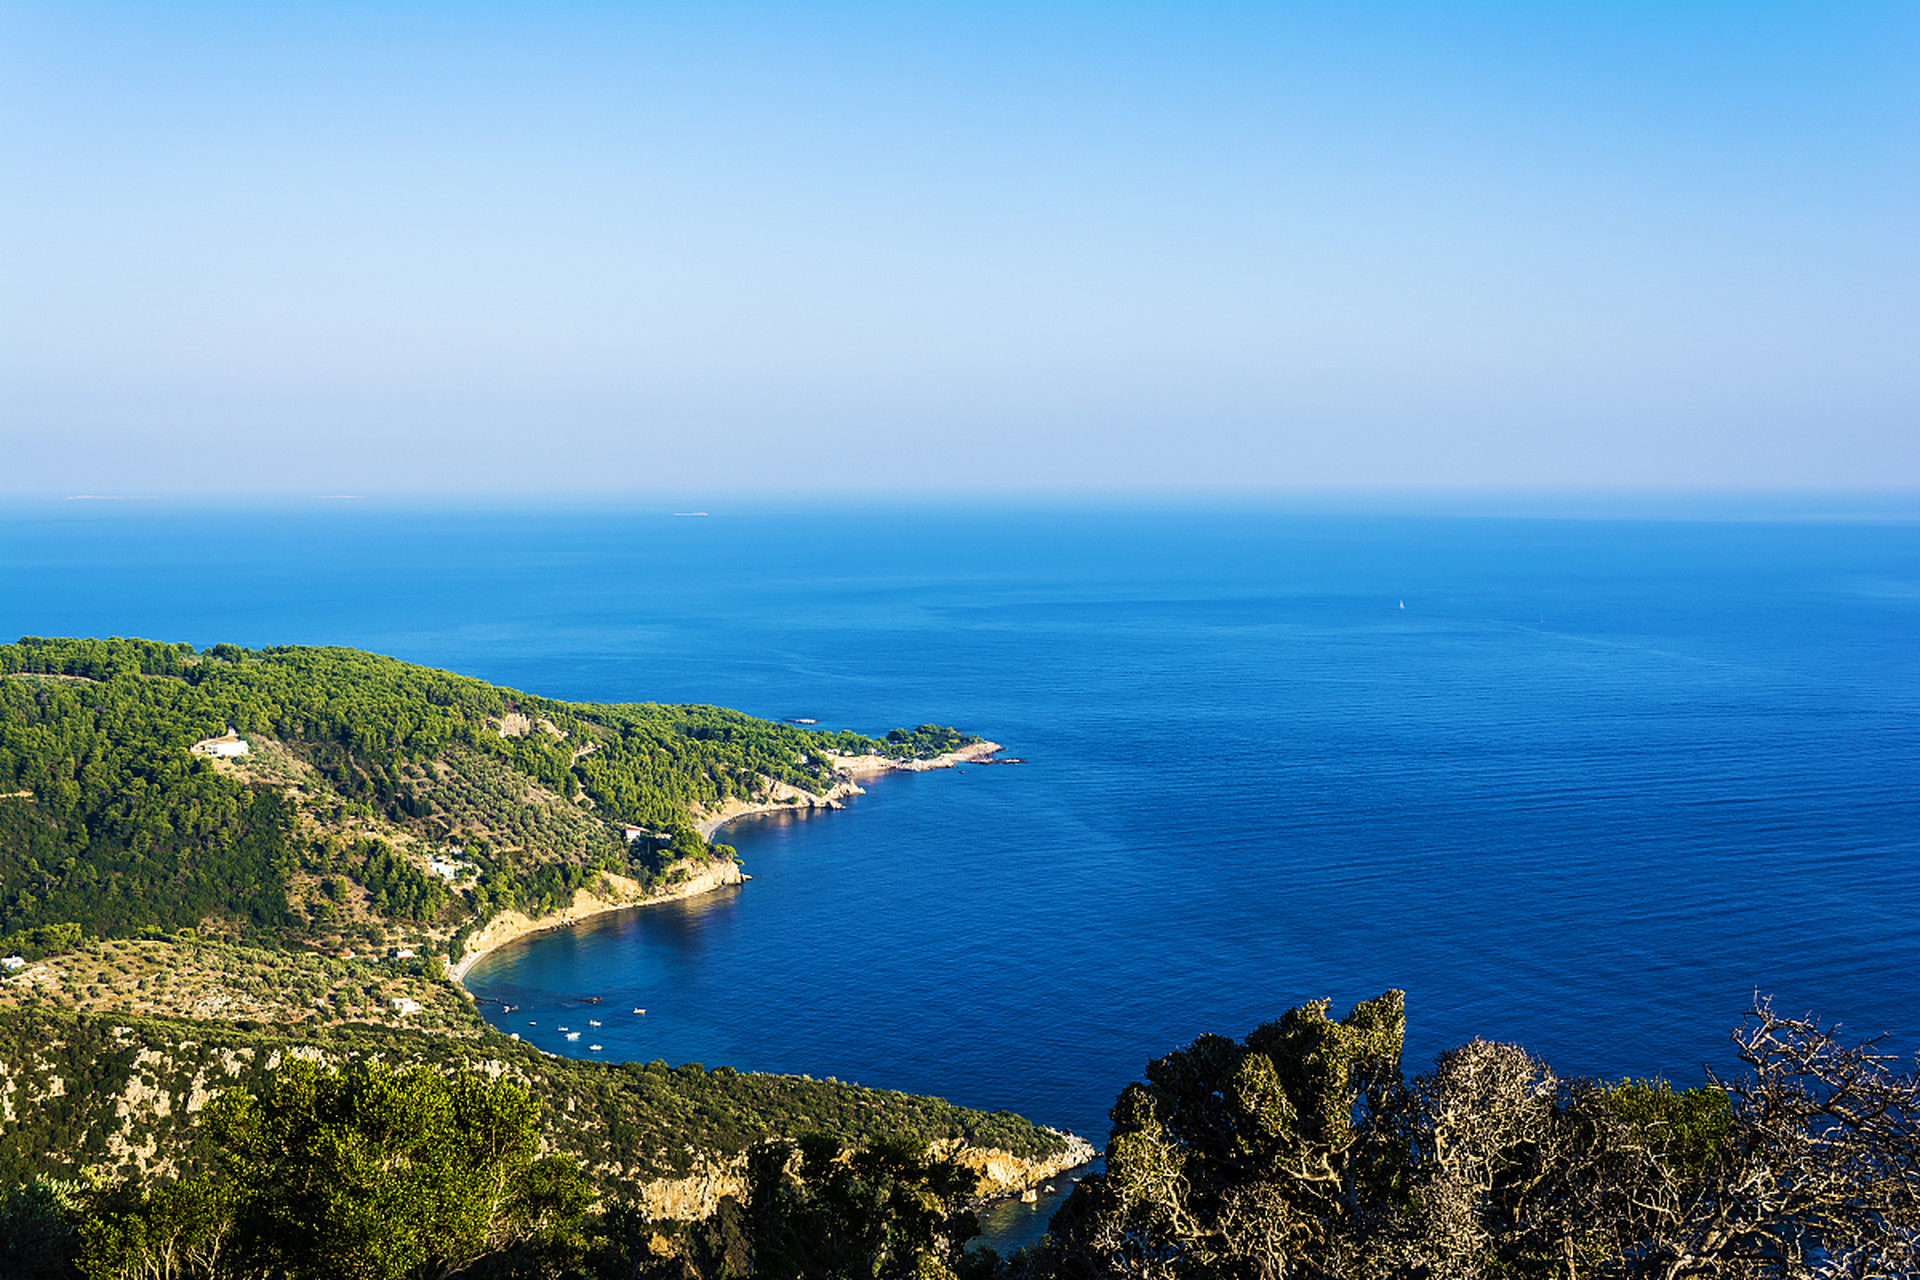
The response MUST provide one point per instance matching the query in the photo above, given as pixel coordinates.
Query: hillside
(121, 1097)
(215, 863)
(377, 805)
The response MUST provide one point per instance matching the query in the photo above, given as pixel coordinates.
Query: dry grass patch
(199, 979)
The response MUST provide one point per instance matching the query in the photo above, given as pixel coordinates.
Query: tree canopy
(366, 1174)
(1303, 1152)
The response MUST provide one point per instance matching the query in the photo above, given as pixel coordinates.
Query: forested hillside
(359, 771)
(122, 1095)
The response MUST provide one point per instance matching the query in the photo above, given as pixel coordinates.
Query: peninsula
(337, 801)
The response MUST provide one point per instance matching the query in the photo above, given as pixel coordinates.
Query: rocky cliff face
(698, 1193)
(1004, 1174)
(778, 797)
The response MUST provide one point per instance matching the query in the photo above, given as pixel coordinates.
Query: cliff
(696, 1194)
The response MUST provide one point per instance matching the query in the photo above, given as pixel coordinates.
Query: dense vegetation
(373, 1173)
(1300, 1151)
(92, 1092)
(107, 820)
(366, 1174)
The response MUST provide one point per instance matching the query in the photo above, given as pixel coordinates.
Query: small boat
(642, 1011)
(563, 1028)
(573, 1035)
(593, 1022)
(594, 1047)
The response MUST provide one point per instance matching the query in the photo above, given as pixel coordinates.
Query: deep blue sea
(1587, 785)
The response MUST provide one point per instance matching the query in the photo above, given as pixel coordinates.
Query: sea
(1589, 783)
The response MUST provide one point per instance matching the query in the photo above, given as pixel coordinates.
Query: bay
(1587, 785)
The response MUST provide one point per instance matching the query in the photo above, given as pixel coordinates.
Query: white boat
(573, 1035)
(594, 1047)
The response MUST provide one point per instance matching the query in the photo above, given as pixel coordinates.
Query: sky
(945, 249)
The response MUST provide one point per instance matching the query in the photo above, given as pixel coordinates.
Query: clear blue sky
(888, 249)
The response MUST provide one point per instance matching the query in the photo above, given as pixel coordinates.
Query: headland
(782, 797)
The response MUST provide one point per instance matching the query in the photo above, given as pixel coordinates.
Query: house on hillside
(227, 744)
(449, 869)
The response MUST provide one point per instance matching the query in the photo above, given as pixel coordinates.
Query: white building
(449, 869)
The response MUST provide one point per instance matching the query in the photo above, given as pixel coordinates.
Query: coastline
(611, 892)
(626, 893)
(1003, 1175)
(784, 798)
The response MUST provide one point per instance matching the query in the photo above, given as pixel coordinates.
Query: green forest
(361, 1151)
(109, 821)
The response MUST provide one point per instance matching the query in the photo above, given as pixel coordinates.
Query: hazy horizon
(767, 254)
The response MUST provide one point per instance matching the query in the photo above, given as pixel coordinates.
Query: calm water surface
(1585, 785)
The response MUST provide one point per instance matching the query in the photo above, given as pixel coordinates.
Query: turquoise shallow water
(1593, 786)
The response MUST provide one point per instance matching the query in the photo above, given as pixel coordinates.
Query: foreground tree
(1279, 1156)
(1819, 1173)
(367, 1174)
(38, 1233)
(1302, 1152)
(815, 1210)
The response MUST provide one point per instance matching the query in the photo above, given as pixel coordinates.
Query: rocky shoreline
(608, 893)
(618, 893)
(1003, 1176)
(784, 798)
